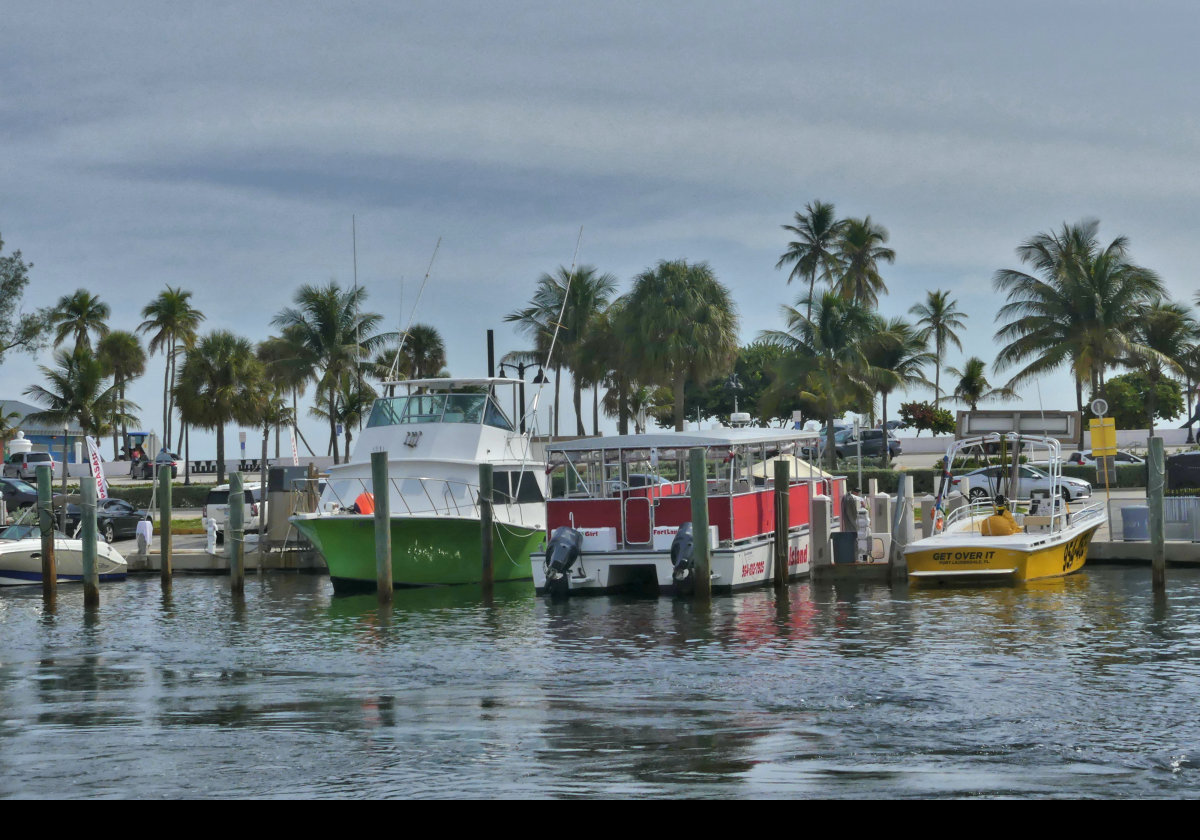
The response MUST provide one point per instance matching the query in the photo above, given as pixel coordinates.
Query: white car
(216, 508)
(1086, 459)
(986, 482)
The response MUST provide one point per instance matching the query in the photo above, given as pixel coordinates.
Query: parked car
(216, 508)
(872, 444)
(17, 493)
(1183, 471)
(985, 481)
(115, 518)
(1085, 459)
(24, 464)
(146, 469)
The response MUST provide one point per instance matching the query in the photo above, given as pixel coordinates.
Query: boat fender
(562, 551)
(683, 552)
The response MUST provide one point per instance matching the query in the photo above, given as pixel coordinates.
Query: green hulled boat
(436, 434)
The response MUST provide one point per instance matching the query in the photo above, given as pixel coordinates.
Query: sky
(225, 148)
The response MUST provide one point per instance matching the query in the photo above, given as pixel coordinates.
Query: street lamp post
(537, 380)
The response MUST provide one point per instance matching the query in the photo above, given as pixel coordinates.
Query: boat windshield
(26, 532)
(471, 409)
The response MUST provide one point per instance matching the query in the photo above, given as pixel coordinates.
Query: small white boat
(21, 557)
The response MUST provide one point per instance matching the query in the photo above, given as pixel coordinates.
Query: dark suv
(1183, 471)
(872, 444)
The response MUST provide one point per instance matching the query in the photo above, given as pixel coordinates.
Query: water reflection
(1081, 686)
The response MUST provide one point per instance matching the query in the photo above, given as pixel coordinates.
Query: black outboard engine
(683, 558)
(561, 553)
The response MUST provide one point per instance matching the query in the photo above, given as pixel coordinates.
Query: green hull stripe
(425, 552)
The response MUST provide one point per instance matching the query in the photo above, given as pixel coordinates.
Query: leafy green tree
(78, 316)
(813, 253)
(1129, 394)
(172, 322)
(687, 324)
(860, 249)
(124, 359)
(1163, 333)
(220, 382)
(353, 400)
(829, 347)
(973, 386)
(925, 416)
(327, 322)
(23, 331)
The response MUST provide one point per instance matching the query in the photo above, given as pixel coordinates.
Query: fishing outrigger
(996, 536)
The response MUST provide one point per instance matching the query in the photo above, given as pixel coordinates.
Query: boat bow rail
(427, 496)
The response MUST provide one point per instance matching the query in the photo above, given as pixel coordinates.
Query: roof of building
(23, 409)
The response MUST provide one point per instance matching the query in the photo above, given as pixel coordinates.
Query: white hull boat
(21, 558)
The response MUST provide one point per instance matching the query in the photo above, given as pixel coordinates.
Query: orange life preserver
(365, 503)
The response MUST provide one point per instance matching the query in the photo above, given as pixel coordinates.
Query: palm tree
(860, 249)
(289, 367)
(938, 318)
(422, 353)
(353, 400)
(686, 324)
(1163, 335)
(122, 358)
(898, 352)
(1077, 306)
(329, 325)
(829, 348)
(173, 322)
(79, 391)
(813, 252)
(561, 313)
(973, 386)
(79, 315)
(220, 383)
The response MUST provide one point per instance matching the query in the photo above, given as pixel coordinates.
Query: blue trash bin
(844, 546)
(1135, 523)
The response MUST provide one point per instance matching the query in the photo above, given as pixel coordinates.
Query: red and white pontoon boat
(619, 512)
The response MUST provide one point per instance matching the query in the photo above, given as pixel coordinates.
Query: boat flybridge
(619, 512)
(1014, 531)
(436, 433)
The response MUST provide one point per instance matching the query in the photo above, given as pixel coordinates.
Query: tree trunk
(187, 455)
(221, 454)
(887, 451)
(557, 383)
(680, 408)
(577, 401)
(622, 406)
(596, 409)
(333, 425)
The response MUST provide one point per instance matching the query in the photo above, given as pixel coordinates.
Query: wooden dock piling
(237, 531)
(698, 477)
(164, 523)
(383, 526)
(45, 504)
(782, 519)
(487, 546)
(88, 535)
(1155, 464)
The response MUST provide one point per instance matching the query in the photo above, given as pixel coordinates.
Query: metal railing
(415, 496)
(1056, 517)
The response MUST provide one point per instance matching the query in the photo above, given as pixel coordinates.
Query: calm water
(1082, 687)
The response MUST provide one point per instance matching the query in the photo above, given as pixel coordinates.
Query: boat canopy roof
(683, 440)
(446, 384)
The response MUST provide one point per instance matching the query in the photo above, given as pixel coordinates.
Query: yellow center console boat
(995, 538)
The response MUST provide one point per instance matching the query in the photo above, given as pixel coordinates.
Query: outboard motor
(561, 553)
(683, 558)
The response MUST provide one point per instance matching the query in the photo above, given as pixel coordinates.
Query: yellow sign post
(1104, 444)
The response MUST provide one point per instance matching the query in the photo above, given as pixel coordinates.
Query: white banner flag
(97, 469)
(295, 454)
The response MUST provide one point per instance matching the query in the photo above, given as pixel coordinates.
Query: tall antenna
(357, 335)
(421, 291)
